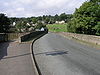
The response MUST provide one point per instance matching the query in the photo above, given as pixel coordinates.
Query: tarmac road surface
(56, 55)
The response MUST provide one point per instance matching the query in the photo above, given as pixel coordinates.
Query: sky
(28, 8)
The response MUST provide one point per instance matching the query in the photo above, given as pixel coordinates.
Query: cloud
(20, 9)
(25, 8)
(51, 3)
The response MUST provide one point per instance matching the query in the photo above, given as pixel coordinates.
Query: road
(56, 55)
(15, 59)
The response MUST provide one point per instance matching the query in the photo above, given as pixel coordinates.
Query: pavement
(16, 59)
(56, 55)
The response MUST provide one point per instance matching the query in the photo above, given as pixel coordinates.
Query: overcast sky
(27, 8)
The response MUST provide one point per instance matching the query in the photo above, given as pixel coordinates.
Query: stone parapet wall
(3, 37)
(87, 38)
(30, 35)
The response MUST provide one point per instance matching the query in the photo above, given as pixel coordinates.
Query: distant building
(14, 23)
(31, 28)
(28, 24)
(33, 24)
(37, 29)
(42, 29)
(60, 22)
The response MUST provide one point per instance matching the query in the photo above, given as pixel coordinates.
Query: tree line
(48, 19)
(23, 24)
(86, 19)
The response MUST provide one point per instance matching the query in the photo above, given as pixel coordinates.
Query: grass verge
(57, 27)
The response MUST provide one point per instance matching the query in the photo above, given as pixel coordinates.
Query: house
(60, 22)
(42, 29)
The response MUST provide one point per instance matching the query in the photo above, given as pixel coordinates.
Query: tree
(56, 17)
(97, 28)
(85, 19)
(4, 23)
(21, 26)
(47, 20)
(63, 16)
(94, 0)
(40, 25)
(34, 20)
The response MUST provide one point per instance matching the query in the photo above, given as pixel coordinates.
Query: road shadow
(20, 55)
(53, 53)
(3, 49)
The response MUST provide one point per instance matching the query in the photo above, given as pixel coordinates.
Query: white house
(14, 23)
(60, 22)
(42, 29)
(28, 24)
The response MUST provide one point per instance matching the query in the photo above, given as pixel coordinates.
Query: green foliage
(97, 28)
(94, 0)
(4, 23)
(63, 16)
(40, 25)
(85, 19)
(21, 25)
(47, 20)
(56, 17)
(34, 20)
